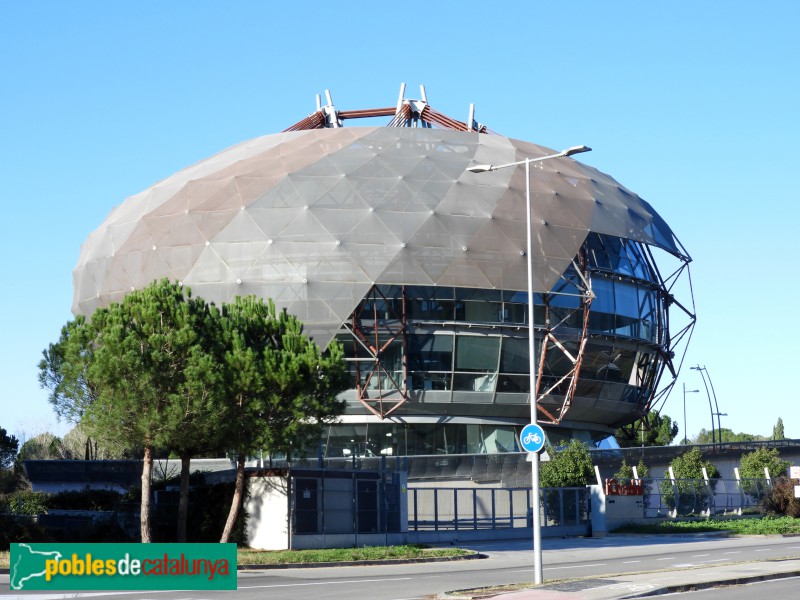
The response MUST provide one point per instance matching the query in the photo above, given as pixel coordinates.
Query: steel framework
(383, 392)
(407, 113)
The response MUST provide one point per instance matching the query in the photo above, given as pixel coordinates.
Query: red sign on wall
(615, 488)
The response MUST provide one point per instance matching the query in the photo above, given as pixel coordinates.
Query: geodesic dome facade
(330, 221)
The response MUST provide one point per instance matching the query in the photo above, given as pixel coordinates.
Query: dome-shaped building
(381, 238)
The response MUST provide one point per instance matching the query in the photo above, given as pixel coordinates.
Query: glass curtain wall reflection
(469, 346)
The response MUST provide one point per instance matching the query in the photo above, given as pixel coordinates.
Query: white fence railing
(700, 497)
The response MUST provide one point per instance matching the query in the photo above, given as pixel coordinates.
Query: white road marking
(283, 585)
(574, 567)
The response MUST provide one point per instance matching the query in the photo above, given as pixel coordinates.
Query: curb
(704, 585)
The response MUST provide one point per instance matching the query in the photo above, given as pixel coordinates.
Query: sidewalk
(646, 584)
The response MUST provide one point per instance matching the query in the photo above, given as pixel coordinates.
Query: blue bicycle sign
(532, 438)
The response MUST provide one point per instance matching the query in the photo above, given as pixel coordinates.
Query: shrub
(85, 500)
(625, 472)
(29, 503)
(570, 465)
(693, 496)
(15, 529)
(780, 499)
(753, 463)
(751, 471)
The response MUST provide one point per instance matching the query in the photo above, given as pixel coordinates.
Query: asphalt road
(779, 588)
(508, 562)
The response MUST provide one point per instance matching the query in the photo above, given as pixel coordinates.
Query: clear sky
(693, 105)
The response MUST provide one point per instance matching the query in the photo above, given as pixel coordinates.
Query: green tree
(8, 449)
(281, 389)
(78, 444)
(777, 432)
(63, 370)
(752, 464)
(725, 436)
(689, 494)
(196, 410)
(751, 471)
(45, 446)
(137, 374)
(654, 430)
(570, 465)
(625, 472)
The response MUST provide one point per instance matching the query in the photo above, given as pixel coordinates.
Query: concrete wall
(267, 507)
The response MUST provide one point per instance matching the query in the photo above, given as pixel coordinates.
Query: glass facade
(458, 351)
(402, 439)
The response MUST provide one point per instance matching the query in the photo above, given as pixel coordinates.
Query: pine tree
(137, 375)
(777, 431)
(655, 430)
(8, 449)
(281, 388)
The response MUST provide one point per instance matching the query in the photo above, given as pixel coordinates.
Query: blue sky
(692, 105)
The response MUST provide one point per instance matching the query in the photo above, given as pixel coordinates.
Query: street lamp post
(719, 425)
(534, 456)
(685, 431)
(705, 374)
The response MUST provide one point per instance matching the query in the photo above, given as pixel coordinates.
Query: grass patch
(281, 557)
(287, 557)
(749, 526)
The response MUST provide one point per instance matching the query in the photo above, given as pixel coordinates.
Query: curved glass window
(602, 317)
(465, 351)
(620, 256)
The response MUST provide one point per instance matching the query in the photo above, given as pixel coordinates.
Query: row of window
(486, 363)
(622, 308)
(388, 439)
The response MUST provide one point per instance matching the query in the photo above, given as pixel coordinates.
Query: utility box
(615, 504)
(321, 508)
